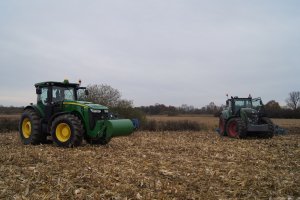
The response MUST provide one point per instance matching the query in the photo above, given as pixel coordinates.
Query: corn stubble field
(156, 165)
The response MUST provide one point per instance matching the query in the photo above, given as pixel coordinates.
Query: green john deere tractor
(58, 113)
(243, 116)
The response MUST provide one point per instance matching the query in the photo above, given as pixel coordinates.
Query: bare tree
(111, 97)
(293, 100)
(104, 95)
(272, 105)
(123, 103)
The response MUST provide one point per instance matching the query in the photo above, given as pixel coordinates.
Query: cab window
(43, 97)
(62, 93)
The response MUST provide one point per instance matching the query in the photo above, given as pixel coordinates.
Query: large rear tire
(30, 128)
(270, 133)
(67, 131)
(236, 128)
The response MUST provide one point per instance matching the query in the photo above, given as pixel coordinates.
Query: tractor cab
(51, 95)
(235, 104)
(52, 92)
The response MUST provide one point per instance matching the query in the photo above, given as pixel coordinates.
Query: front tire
(30, 128)
(67, 131)
(236, 128)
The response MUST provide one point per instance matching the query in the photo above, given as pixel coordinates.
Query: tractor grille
(252, 118)
(96, 117)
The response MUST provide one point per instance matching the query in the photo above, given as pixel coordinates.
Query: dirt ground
(169, 165)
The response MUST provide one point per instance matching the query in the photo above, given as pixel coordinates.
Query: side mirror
(38, 91)
(86, 92)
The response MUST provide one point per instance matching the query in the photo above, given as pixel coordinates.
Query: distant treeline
(161, 109)
(272, 109)
(284, 113)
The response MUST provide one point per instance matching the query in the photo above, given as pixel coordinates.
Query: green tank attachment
(118, 127)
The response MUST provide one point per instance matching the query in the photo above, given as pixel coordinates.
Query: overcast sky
(153, 51)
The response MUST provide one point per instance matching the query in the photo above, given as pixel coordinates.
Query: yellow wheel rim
(26, 127)
(63, 132)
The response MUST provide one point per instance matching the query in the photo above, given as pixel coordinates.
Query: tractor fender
(53, 117)
(229, 118)
(224, 115)
(32, 107)
(63, 113)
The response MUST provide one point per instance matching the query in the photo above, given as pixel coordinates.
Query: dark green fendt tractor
(243, 116)
(58, 113)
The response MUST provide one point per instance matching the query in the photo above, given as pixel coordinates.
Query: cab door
(42, 99)
(48, 102)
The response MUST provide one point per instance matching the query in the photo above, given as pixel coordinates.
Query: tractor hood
(248, 110)
(86, 104)
(249, 114)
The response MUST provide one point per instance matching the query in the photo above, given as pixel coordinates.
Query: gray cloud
(170, 52)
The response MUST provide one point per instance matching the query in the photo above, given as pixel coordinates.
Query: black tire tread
(75, 124)
(241, 127)
(36, 136)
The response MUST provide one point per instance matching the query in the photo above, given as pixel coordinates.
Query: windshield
(81, 94)
(63, 93)
(243, 103)
(256, 103)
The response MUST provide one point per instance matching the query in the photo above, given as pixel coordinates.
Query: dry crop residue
(174, 165)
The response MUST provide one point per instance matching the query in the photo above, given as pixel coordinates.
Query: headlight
(95, 111)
